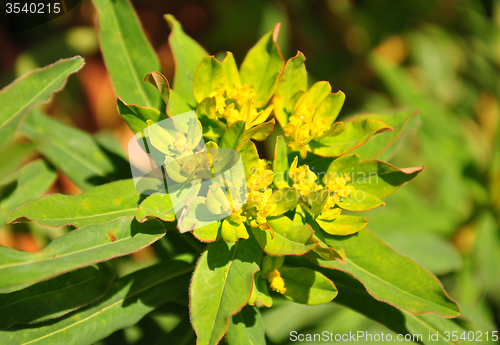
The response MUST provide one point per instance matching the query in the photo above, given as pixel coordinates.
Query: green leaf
(315, 95)
(230, 71)
(13, 156)
(97, 205)
(306, 286)
(406, 285)
(353, 294)
(127, 53)
(208, 233)
(76, 249)
(234, 136)
(187, 55)
(280, 163)
(344, 164)
(260, 292)
(30, 89)
(29, 183)
(249, 156)
(159, 81)
(72, 151)
(285, 237)
(127, 301)
(157, 206)
(285, 199)
(381, 179)
(293, 79)
(261, 131)
(208, 78)
(317, 200)
(55, 297)
(343, 225)
(197, 215)
(246, 328)
(330, 107)
(231, 232)
(221, 286)
(360, 201)
(177, 105)
(356, 133)
(137, 116)
(380, 143)
(262, 66)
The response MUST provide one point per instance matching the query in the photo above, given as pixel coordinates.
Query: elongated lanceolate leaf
(95, 206)
(76, 249)
(127, 53)
(30, 89)
(406, 285)
(127, 301)
(28, 183)
(72, 151)
(187, 55)
(221, 285)
(55, 297)
(137, 116)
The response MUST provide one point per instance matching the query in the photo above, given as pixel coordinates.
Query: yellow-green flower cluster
(238, 104)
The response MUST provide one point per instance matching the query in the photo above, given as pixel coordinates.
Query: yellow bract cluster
(303, 127)
(276, 282)
(238, 104)
(305, 181)
(260, 204)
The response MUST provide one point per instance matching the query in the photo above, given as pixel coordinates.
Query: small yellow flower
(261, 176)
(260, 206)
(304, 179)
(180, 144)
(337, 184)
(303, 126)
(276, 282)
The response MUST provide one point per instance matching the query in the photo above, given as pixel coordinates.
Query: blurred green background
(441, 57)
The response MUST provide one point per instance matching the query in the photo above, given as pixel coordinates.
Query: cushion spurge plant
(298, 235)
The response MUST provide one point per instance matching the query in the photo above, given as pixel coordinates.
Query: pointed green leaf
(285, 199)
(260, 292)
(380, 143)
(246, 328)
(230, 71)
(234, 136)
(127, 301)
(360, 201)
(221, 286)
(208, 233)
(353, 294)
(27, 184)
(261, 131)
(356, 133)
(280, 163)
(317, 200)
(32, 88)
(407, 285)
(137, 116)
(55, 297)
(249, 156)
(13, 156)
(76, 249)
(262, 66)
(306, 286)
(95, 206)
(342, 225)
(208, 78)
(177, 105)
(330, 107)
(127, 53)
(231, 232)
(315, 95)
(344, 164)
(285, 237)
(293, 79)
(72, 151)
(381, 179)
(187, 55)
(160, 82)
(158, 206)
